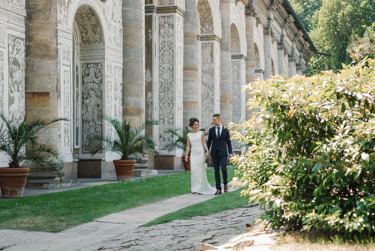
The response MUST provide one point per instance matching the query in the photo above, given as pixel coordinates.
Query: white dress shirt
(217, 131)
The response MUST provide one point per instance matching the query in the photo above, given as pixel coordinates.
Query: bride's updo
(192, 121)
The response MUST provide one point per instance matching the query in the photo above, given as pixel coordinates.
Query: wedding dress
(199, 182)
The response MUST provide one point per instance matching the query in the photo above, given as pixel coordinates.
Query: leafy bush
(311, 154)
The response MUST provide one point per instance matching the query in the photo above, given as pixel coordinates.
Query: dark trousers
(220, 161)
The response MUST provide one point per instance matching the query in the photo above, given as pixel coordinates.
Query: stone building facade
(166, 60)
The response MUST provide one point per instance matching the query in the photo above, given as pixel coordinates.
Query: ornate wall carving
(62, 11)
(16, 6)
(16, 78)
(3, 34)
(118, 93)
(91, 102)
(89, 25)
(109, 106)
(149, 102)
(257, 56)
(77, 90)
(208, 84)
(2, 84)
(218, 78)
(66, 107)
(205, 17)
(236, 91)
(166, 78)
(179, 72)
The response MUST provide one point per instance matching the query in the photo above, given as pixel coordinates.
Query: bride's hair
(192, 121)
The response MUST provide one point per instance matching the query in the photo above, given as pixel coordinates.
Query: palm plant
(127, 141)
(14, 138)
(181, 138)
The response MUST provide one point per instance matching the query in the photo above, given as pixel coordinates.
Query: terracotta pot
(186, 164)
(124, 169)
(12, 181)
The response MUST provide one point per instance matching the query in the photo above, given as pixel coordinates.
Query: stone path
(214, 229)
(101, 230)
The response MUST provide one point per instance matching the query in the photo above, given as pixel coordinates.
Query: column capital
(250, 11)
(258, 70)
(208, 37)
(238, 57)
(280, 46)
(290, 58)
(170, 9)
(150, 9)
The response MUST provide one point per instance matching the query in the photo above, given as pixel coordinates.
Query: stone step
(144, 172)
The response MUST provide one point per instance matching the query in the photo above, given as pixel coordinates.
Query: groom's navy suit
(219, 153)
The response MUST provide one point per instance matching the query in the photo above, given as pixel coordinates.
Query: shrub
(311, 154)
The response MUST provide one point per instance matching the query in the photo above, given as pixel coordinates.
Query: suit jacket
(219, 145)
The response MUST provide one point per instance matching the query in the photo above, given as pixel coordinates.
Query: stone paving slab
(105, 228)
(10, 238)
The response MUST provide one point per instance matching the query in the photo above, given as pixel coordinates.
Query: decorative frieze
(208, 84)
(92, 106)
(2, 82)
(16, 78)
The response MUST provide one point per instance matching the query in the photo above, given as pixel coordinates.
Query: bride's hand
(186, 159)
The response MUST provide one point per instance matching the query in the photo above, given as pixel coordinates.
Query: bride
(197, 142)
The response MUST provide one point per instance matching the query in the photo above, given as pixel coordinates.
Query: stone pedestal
(168, 163)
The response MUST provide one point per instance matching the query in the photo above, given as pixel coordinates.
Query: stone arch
(238, 20)
(258, 40)
(235, 40)
(89, 80)
(214, 7)
(95, 7)
(208, 60)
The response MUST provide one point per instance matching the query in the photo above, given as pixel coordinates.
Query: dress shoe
(226, 189)
(218, 192)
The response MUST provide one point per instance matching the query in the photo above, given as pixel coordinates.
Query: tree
(306, 10)
(361, 47)
(334, 25)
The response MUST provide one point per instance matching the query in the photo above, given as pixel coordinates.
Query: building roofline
(299, 24)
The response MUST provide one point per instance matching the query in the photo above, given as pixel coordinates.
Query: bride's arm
(187, 148)
(204, 143)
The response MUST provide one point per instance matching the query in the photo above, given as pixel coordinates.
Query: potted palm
(181, 143)
(13, 140)
(128, 141)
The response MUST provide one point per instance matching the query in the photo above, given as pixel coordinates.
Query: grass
(220, 203)
(318, 240)
(62, 210)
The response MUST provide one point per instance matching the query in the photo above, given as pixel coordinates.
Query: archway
(88, 81)
(208, 62)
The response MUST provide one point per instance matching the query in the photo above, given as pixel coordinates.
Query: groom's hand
(207, 155)
(231, 155)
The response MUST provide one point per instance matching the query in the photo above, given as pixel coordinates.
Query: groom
(220, 139)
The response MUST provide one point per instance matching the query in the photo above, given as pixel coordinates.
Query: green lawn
(59, 211)
(219, 203)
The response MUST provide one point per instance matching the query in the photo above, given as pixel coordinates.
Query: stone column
(281, 59)
(134, 63)
(191, 81)
(42, 66)
(292, 66)
(225, 64)
(267, 54)
(250, 59)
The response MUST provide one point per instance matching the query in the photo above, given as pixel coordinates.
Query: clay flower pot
(13, 181)
(124, 169)
(186, 163)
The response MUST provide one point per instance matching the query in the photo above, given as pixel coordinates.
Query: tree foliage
(306, 9)
(361, 47)
(312, 150)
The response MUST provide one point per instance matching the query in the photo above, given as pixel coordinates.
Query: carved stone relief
(2, 84)
(179, 72)
(89, 25)
(66, 107)
(16, 3)
(236, 91)
(235, 39)
(218, 78)
(205, 17)
(109, 106)
(166, 2)
(3, 34)
(208, 84)
(16, 73)
(62, 11)
(91, 103)
(149, 89)
(149, 1)
(77, 91)
(118, 93)
(166, 78)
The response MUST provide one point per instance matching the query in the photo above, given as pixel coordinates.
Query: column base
(168, 163)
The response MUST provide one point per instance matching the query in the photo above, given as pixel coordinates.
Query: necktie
(218, 131)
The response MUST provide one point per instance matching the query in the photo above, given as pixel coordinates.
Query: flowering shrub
(311, 154)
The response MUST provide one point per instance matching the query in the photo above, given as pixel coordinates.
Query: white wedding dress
(199, 182)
